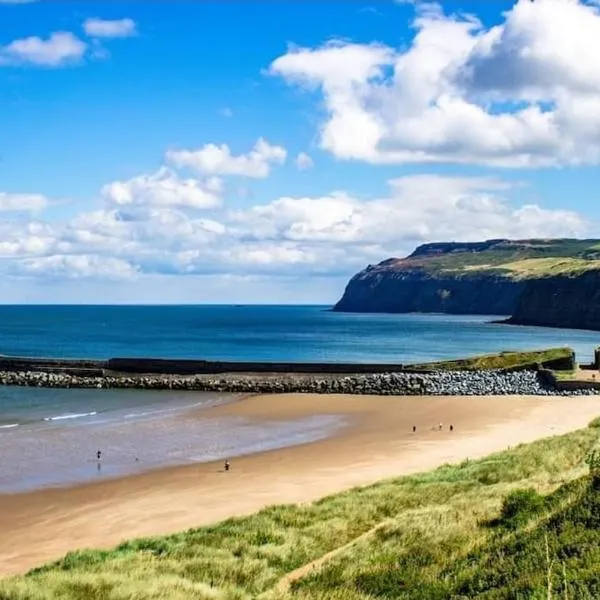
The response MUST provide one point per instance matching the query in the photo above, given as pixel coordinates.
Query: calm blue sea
(50, 436)
(275, 333)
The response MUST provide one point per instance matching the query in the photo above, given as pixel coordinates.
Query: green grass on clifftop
(459, 532)
(520, 259)
(559, 358)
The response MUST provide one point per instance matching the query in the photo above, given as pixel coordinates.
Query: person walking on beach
(414, 428)
(441, 426)
(99, 455)
(227, 465)
(451, 427)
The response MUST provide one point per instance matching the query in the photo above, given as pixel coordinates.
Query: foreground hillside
(535, 281)
(461, 531)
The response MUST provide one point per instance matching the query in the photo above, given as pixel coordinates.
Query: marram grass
(481, 529)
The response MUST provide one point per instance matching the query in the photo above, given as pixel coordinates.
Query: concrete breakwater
(173, 366)
(403, 383)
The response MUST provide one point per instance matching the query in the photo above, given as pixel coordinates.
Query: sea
(49, 437)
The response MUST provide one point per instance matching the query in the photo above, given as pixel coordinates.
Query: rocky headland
(535, 282)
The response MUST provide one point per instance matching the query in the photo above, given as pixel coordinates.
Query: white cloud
(149, 226)
(102, 28)
(164, 188)
(60, 49)
(331, 235)
(77, 266)
(419, 208)
(304, 162)
(524, 93)
(218, 160)
(22, 202)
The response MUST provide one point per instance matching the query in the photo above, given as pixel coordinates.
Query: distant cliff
(572, 302)
(413, 291)
(532, 280)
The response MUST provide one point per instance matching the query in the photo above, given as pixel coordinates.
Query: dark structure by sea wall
(117, 366)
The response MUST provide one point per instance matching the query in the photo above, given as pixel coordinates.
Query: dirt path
(285, 582)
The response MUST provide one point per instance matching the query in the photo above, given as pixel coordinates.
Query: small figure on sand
(227, 465)
(441, 426)
(99, 459)
(451, 427)
(414, 428)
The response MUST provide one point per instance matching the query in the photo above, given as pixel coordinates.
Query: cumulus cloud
(77, 266)
(102, 28)
(304, 162)
(22, 202)
(218, 160)
(164, 188)
(524, 93)
(150, 226)
(59, 49)
(418, 208)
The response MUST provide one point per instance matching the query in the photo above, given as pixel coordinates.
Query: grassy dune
(456, 532)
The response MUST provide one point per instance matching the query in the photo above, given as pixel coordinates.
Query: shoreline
(376, 444)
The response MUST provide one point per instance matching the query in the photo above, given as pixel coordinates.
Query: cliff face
(570, 302)
(538, 282)
(414, 291)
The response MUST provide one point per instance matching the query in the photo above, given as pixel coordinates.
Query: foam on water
(72, 416)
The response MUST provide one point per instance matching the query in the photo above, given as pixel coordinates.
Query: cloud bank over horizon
(447, 123)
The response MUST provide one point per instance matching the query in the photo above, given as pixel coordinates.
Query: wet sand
(377, 442)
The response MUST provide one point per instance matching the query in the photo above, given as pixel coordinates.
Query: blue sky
(149, 152)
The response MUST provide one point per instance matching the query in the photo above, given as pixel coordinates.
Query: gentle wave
(70, 416)
(170, 410)
(11, 426)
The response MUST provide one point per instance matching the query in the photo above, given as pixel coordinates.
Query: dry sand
(377, 443)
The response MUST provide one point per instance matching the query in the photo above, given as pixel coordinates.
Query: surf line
(70, 416)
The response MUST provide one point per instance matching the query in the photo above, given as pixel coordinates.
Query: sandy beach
(378, 442)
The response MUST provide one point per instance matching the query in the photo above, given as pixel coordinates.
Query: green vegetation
(566, 375)
(517, 260)
(557, 358)
(524, 523)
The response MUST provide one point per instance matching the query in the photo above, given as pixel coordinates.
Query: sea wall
(192, 367)
(438, 383)
(550, 381)
(99, 368)
(180, 367)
